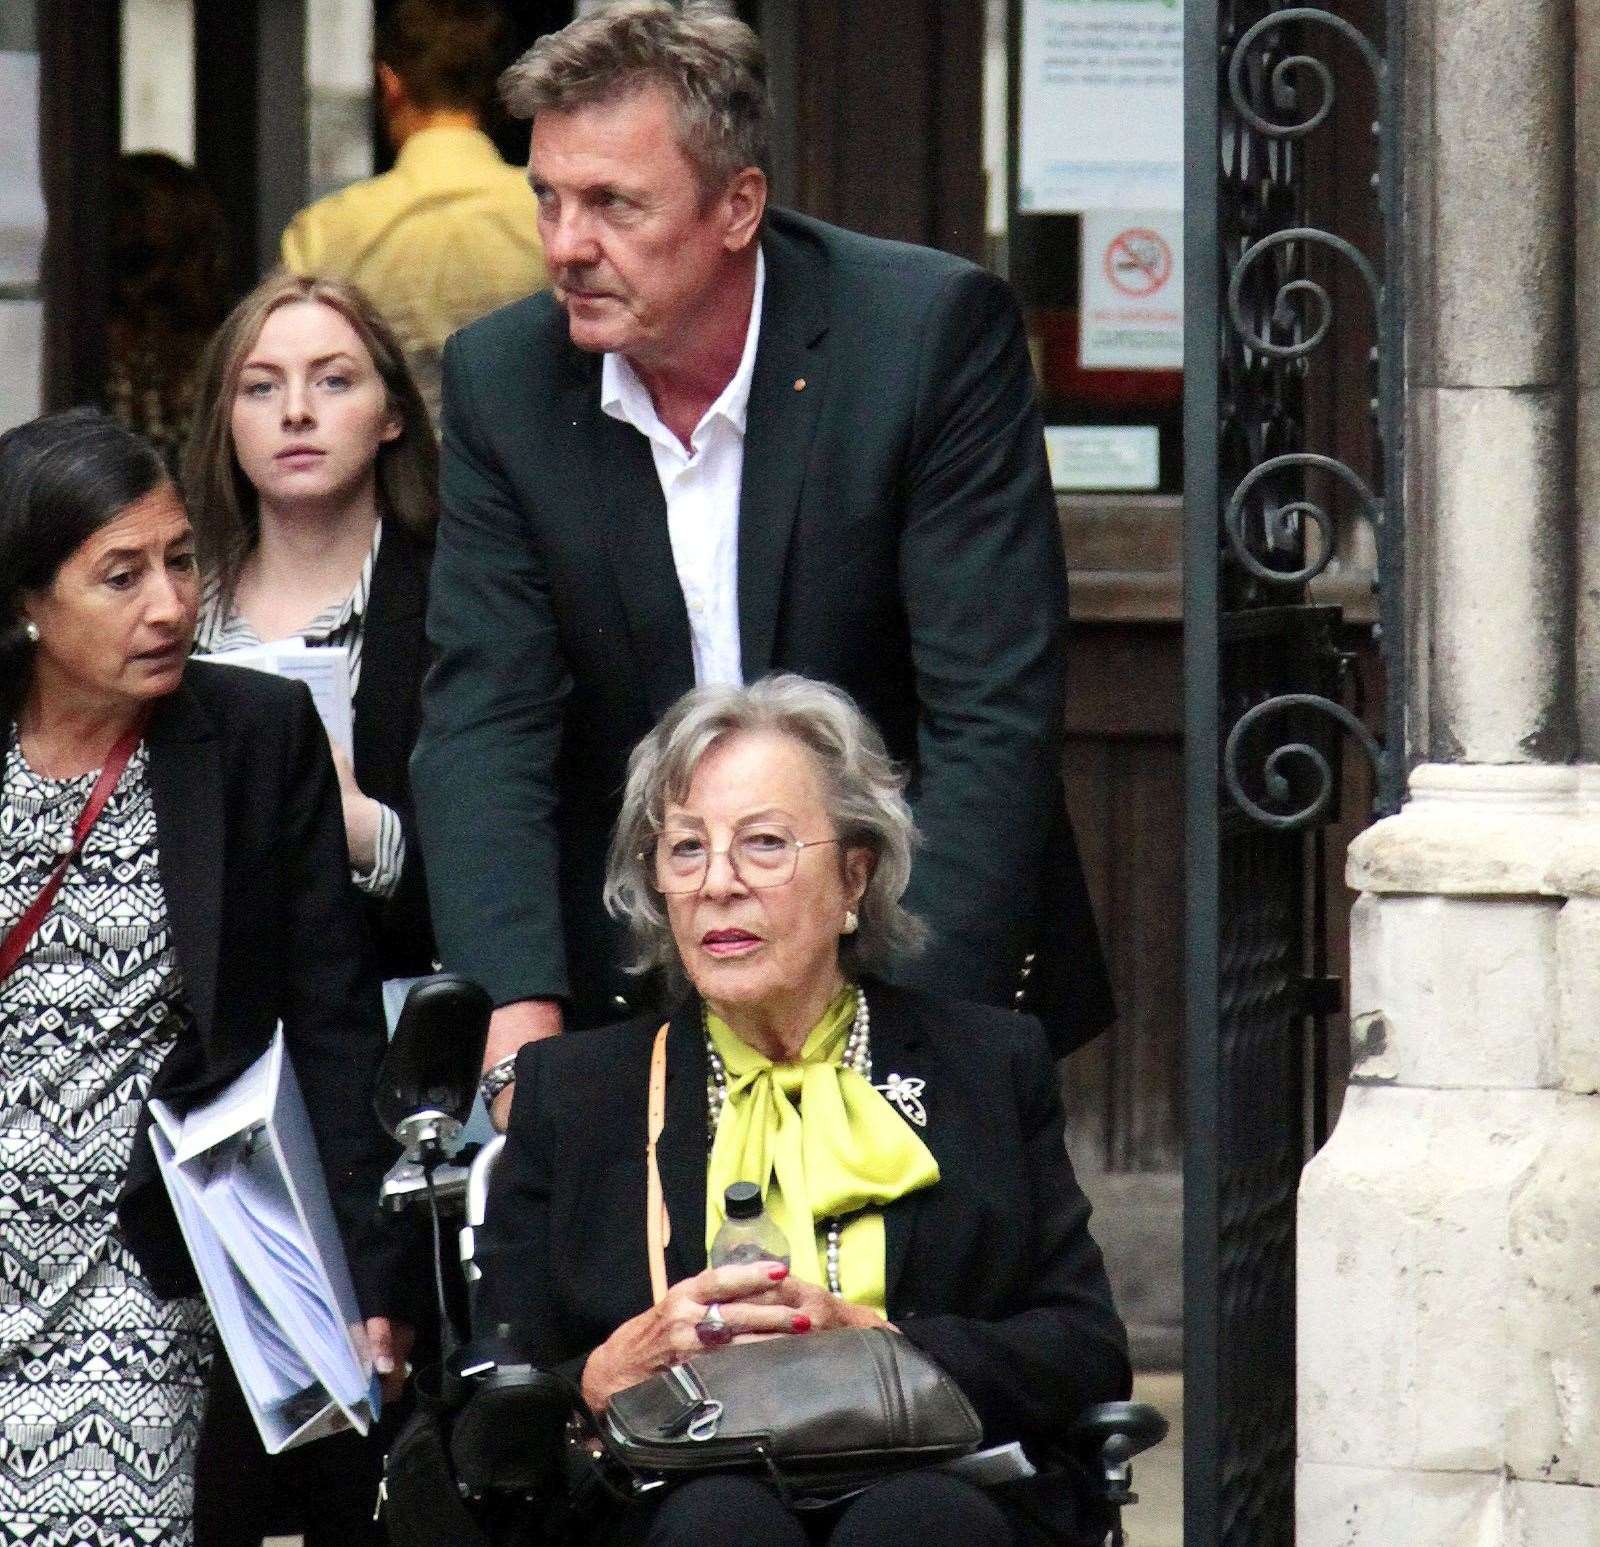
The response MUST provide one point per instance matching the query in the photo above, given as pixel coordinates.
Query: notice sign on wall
(1102, 106)
(1131, 296)
(22, 216)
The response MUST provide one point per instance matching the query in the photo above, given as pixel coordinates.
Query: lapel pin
(799, 384)
(906, 1094)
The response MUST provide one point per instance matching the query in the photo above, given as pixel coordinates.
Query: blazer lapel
(186, 787)
(391, 644)
(618, 467)
(785, 396)
(895, 1039)
(681, 1151)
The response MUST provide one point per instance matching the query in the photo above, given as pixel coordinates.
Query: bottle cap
(742, 1200)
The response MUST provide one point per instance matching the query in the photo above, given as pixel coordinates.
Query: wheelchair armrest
(511, 1433)
(1106, 1437)
(1137, 1422)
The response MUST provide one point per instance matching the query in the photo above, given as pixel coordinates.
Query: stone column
(1449, 1238)
(1586, 220)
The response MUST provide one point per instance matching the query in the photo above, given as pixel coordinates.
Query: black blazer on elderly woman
(266, 928)
(992, 1271)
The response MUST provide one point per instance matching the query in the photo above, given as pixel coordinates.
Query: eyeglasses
(761, 856)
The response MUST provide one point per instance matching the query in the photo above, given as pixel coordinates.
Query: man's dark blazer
(992, 1271)
(388, 716)
(266, 927)
(897, 537)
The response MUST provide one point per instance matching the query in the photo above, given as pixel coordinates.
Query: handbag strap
(658, 1228)
(20, 936)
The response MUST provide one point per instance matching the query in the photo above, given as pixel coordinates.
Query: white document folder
(247, 1187)
(325, 669)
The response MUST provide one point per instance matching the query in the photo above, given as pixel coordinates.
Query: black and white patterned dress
(101, 1383)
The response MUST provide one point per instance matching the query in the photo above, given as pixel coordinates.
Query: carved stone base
(1449, 1235)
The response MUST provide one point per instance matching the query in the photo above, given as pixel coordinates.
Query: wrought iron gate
(1266, 721)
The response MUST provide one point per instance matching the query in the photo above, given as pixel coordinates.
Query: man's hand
(523, 1020)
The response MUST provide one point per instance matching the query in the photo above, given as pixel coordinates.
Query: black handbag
(821, 1414)
(824, 1413)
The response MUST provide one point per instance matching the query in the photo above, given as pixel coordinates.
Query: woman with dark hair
(169, 290)
(172, 888)
(312, 479)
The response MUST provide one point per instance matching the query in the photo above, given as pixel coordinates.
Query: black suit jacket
(897, 537)
(992, 1271)
(388, 717)
(266, 928)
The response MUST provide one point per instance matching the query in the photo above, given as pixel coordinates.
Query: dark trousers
(326, 1489)
(927, 1509)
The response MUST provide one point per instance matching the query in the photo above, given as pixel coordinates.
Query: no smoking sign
(1138, 262)
(1131, 290)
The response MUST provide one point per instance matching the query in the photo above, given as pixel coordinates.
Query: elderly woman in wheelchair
(909, 1151)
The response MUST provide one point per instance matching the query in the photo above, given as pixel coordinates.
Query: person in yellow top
(449, 234)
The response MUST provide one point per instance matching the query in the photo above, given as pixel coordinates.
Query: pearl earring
(851, 922)
(31, 629)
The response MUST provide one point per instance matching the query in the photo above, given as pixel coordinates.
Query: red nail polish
(778, 1273)
(801, 1323)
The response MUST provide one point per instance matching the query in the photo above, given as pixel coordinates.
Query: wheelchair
(489, 1461)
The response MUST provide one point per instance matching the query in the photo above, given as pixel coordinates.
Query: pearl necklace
(857, 1056)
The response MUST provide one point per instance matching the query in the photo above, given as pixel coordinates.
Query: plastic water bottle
(747, 1233)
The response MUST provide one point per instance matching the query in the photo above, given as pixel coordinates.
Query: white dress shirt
(701, 486)
(220, 629)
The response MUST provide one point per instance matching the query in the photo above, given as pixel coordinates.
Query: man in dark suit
(734, 440)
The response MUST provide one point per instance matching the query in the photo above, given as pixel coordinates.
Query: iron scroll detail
(1284, 70)
(1275, 778)
(1300, 347)
(1233, 519)
(1280, 501)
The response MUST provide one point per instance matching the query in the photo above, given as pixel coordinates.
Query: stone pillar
(1489, 304)
(1585, 205)
(1449, 1237)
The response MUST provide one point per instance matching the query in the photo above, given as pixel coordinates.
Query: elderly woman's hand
(751, 1299)
(821, 1311)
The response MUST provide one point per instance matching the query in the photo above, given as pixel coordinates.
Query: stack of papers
(247, 1187)
(325, 669)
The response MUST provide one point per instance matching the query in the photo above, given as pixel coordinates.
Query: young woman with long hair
(311, 477)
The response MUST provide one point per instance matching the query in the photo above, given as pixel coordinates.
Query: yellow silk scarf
(822, 1144)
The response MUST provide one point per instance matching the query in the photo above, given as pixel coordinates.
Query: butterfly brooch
(905, 1095)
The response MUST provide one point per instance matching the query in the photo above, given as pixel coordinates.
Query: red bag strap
(21, 934)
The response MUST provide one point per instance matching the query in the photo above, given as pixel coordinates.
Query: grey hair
(710, 63)
(863, 792)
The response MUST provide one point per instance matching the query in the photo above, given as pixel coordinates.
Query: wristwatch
(496, 1077)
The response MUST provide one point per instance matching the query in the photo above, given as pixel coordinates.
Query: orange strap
(658, 1228)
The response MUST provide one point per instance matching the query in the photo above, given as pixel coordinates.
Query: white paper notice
(1110, 456)
(21, 199)
(1102, 106)
(1130, 312)
(325, 669)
